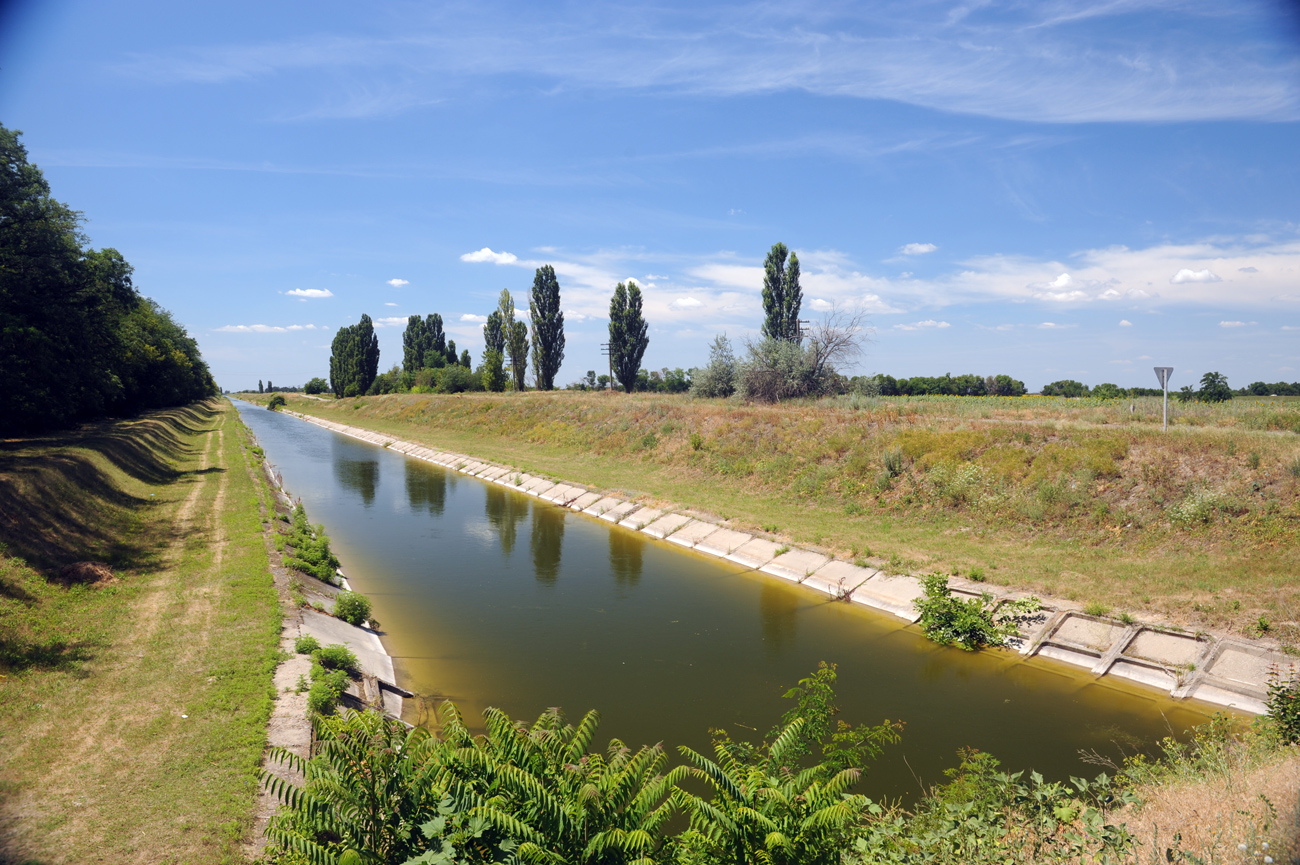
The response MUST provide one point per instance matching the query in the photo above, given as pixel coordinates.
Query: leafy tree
(718, 379)
(1066, 388)
(259, 386)
(1106, 390)
(1214, 388)
(494, 340)
(434, 347)
(494, 374)
(515, 334)
(354, 358)
(413, 344)
(315, 386)
(269, 386)
(548, 327)
(627, 333)
(452, 357)
(782, 296)
(465, 359)
(77, 340)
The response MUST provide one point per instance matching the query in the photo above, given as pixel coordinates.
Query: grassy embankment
(134, 709)
(1083, 499)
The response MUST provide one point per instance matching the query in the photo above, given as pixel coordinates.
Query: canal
(490, 597)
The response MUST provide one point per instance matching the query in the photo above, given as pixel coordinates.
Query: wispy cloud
(923, 325)
(1237, 323)
(1124, 322)
(310, 292)
(264, 328)
(1017, 61)
(917, 248)
(398, 283)
(475, 319)
(1186, 275)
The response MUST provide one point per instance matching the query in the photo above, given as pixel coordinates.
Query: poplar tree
(413, 344)
(548, 327)
(515, 334)
(435, 342)
(493, 338)
(627, 334)
(782, 296)
(354, 358)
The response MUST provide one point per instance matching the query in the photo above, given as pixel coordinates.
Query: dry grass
(134, 708)
(1078, 498)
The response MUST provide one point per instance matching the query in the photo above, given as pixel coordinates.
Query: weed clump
(972, 624)
(311, 549)
(306, 644)
(352, 607)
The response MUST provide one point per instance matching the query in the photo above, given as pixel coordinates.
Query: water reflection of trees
(778, 608)
(625, 551)
(547, 538)
(361, 476)
(505, 511)
(426, 487)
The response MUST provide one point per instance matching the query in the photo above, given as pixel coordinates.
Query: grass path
(133, 716)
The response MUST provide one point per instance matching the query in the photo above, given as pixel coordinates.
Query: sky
(1047, 189)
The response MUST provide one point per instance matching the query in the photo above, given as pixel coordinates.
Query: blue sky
(1048, 189)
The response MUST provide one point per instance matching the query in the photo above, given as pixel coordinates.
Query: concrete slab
(363, 642)
(562, 494)
(536, 489)
(601, 506)
(754, 553)
(1088, 632)
(1148, 674)
(796, 565)
(692, 533)
(1244, 668)
(1165, 648)
(585, 501)
(618, 512)
(639, 519)
(839, 579)
(665, 525)
(493, 473)
(893, 594)
(1076, 657)
(722, 542)
(1228, 698)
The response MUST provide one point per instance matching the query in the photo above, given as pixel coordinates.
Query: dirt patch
(96, 575)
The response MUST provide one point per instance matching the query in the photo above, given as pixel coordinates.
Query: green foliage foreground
(379, 792)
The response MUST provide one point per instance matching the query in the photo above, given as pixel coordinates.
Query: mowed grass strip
(1083, 499)
(98, 761)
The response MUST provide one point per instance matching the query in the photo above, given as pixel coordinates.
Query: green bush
(306, 644)
(974, 623)
(335, 657)
(322, 697)
(311, 549)
(1284, 705)
(275, 402)
(352, 608)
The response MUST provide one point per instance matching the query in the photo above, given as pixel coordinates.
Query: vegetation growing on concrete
(974, 623)
(311, 549)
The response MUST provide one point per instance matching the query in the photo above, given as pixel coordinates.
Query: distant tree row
(1280, 388)
(950, 385)
(77, 341)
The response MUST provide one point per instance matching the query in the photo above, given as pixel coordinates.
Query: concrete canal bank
(1213, 668)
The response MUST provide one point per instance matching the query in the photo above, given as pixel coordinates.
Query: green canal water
(492, 598)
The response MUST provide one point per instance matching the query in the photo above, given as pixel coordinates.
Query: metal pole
(1162, 374)
(1166, 409)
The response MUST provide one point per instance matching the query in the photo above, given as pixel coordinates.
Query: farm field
(1083, 499)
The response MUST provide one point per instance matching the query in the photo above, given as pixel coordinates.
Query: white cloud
(917, 248)
(478, 319)
(1248, 270)
(486, 254)
(263, 328)
(1145, 357)
(1289, 327)
(686, 303)
(310, 292)
(1051, 325)
(390, 304)
(1124, 322)
(654, 276)
(1187, 275)
(923, 325)
(398, 283)
(1232, 324)
(820, 305)
(907, 274)
(391, 321)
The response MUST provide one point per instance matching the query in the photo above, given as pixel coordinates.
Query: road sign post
(1163, 373)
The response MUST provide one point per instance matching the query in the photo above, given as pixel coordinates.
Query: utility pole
(1163, 373)
(605, 350)
(799, 327)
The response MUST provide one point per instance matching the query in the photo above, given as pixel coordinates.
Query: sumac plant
(973, 623)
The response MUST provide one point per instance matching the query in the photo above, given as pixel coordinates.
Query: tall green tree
(627, 334)
(494, 373)
(77, 340)
(354, 358)
(493, 337)
(435, 343)
(1214, 388)
(548, 327)
(782, 295)
(516, 338)
(413, 344)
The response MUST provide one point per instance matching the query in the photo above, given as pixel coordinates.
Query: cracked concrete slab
(722, 542)
(665, 525)
(754, 553)
(692, 533)
(796, 565)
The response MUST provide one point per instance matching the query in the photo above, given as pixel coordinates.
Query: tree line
(77, 340)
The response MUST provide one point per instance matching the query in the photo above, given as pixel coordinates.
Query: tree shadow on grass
(59, 504)
(18, 655)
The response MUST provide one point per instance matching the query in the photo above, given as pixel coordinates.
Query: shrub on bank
(311, 549)
(352, 607)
